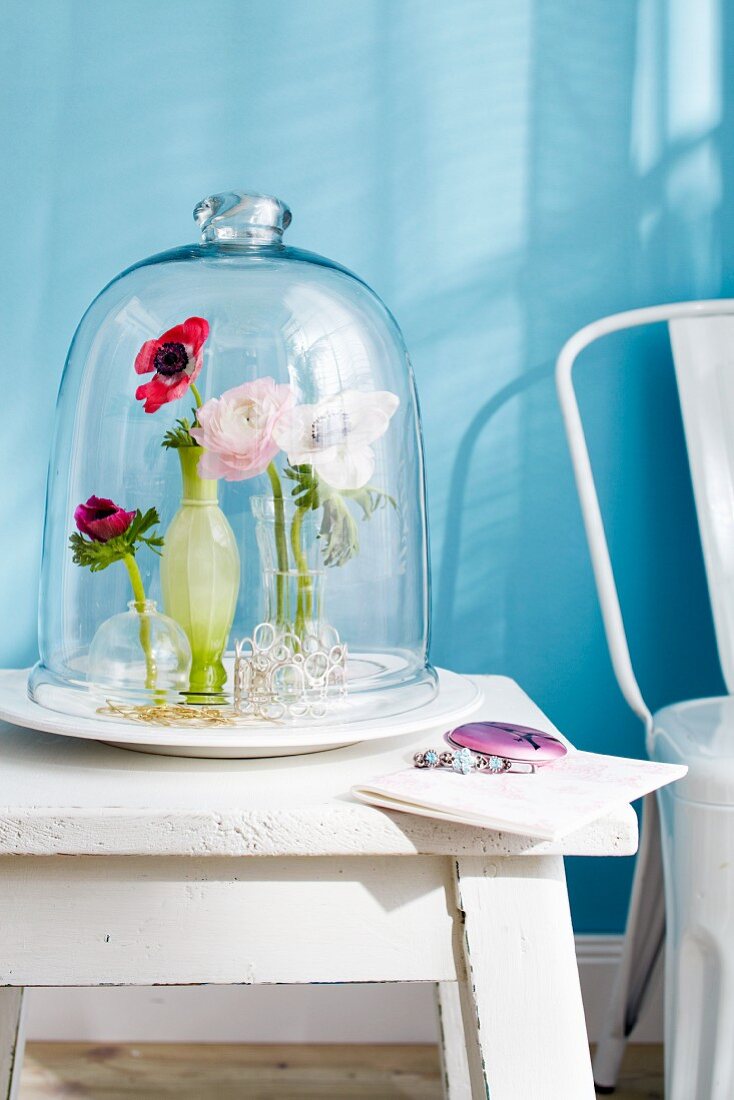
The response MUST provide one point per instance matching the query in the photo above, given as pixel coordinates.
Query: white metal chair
(698, 816)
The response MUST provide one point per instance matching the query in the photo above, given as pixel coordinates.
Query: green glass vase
(200, 575)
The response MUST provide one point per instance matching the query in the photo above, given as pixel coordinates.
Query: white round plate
(458, 698)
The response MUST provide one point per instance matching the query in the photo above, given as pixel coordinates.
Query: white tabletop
(61, 795)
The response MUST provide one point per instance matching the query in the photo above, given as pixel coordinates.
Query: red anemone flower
(101, 519)
(176, 358)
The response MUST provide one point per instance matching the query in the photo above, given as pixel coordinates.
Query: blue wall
(501, 173)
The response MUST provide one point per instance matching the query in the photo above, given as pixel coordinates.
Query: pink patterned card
(553, 802)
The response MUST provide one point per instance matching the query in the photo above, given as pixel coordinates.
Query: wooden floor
(154, 1071)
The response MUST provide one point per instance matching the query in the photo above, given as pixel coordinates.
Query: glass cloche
(236, 507)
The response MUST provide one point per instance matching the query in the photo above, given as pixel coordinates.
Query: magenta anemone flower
(175, 358)
(101, 519)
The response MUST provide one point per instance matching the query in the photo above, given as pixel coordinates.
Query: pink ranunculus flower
(101, 519)
(236, 429)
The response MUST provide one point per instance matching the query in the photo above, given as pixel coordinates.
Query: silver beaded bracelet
(464, 761)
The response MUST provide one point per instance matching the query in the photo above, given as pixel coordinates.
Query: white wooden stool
(118, 868)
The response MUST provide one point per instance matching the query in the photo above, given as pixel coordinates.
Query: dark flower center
(170, 359)
(330, 429)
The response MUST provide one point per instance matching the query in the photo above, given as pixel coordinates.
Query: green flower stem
(197, 396)
(304, 599)
(281, 545)
(136, 582)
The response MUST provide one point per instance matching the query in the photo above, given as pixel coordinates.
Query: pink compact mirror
(511, 742)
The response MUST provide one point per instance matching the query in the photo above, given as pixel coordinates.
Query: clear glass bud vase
(200, 575)
(140, 656)
(293, 574)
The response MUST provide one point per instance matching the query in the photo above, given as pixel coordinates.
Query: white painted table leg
(643, 944)
(11, 1041)
(521, 1001)
(454, 1063)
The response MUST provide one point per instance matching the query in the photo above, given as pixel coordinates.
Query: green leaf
(369, 499)
(97, 555)
(308, 491)
(339, 532)
(338, 529)
(180, 436)
(137, 531)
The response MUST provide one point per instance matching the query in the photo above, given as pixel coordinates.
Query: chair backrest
(703, 351)
(702, 338)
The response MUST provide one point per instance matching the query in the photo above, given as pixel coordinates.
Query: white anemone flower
(335, 436)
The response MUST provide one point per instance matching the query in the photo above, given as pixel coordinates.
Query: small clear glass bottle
(139, 653)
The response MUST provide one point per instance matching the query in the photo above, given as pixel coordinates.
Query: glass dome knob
(242, 216)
